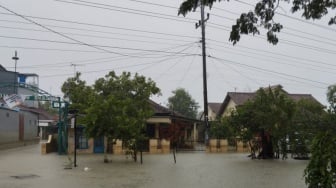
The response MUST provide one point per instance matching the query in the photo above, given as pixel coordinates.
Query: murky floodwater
(192, 170)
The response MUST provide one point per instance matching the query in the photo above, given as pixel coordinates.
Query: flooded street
(26, 168)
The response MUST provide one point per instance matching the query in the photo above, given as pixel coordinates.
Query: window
(82, 141)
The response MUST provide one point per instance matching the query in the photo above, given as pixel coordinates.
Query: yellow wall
(211, 114)
(230, 107)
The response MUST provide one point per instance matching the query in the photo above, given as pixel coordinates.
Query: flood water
(26, 168)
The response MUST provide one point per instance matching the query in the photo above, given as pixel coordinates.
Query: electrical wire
(60, 34)
(100, 46)
(87, 35)
(276, 53)
(128, 10)
(270, 71)
(293, 18)
(105, 26)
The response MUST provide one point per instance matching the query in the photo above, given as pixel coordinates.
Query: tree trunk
(105, 151)
(267, 146)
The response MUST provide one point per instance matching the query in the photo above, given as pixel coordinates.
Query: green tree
(268, 115)
(221, 129)
(331, 97)
(264, 15)
(183, 103)
(306, 122)
(77, 92)
(117, 107)
(46, 105)
(321, 170)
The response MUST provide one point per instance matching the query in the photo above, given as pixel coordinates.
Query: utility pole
(205, 87)
(75, 66)
(15, 58)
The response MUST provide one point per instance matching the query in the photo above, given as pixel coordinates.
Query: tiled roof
(158, 109)
(214, 106)
(239, 98)
(43, 114)
(163, 111)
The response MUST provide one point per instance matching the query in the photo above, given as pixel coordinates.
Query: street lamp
(74, 112)
(15, 58)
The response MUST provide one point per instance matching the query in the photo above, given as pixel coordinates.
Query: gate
(98, 145)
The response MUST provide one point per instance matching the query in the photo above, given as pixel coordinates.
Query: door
(98, 145)
(21, 127)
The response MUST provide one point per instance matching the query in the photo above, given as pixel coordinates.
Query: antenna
(15, 58)
(75, 65)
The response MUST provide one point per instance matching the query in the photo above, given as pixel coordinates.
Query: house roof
(43, 114)
(239, 98)
(214, 106)
(162, 111)
(2, 68)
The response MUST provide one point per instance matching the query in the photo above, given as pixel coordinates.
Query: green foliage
(116, 107)
(120, 107)
(331, 97)
(183, 103)
(263, 15)
(274, 112)
(191, 5)
(221, 129)
(77, 92)
(46, 105)
(306, 121)
(321, 170)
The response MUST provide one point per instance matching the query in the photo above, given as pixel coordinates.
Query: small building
(19, 119)
(163, 128)
(231, 101)
(213, 109)
(234, 99)
(18, 127)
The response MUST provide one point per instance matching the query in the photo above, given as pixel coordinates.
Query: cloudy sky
(56, 38)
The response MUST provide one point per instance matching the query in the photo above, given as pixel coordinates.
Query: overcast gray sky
(147, 37)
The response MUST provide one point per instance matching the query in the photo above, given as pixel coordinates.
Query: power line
(223, 76)
(186, 72)
(105, 46)
(109, 27)
(108, 59)
(287, 28)
(166, 70)
(270, 71)
(156, 4)
(181, 51)
(293, 18)
(152, 14)
(277, 53)
(128, 10)
(60, 34)
(120, 67)
(307, 22)
(244, 54)
(221, 27)
(96, 31)
(49, 49)
(272, 57)
(86, 35)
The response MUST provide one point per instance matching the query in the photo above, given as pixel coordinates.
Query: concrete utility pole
(15, 58)
(205, 87)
